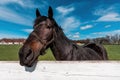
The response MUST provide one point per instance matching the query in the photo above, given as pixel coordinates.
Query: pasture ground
(10, 53)
(113, 51)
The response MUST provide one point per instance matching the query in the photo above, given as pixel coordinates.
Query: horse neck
(61, 45)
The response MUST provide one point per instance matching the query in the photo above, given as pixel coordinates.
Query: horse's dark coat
(46, 34)
(64, 49)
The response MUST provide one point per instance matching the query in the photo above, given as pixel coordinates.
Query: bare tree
(114, 39)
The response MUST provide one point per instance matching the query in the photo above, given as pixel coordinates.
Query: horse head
(38, 40)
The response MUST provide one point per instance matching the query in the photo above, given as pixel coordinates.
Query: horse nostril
(29, 52)
(29, 55)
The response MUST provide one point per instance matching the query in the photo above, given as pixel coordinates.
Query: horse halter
(42, 41)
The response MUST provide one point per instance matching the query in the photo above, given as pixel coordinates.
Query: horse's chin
(29, 64)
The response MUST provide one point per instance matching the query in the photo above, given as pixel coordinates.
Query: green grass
(10, 52)
(113, 52)
(47, 56)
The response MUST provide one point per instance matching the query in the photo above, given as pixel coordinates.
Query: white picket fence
(65, 70)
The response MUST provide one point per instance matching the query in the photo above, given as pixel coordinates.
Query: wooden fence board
(65, 70)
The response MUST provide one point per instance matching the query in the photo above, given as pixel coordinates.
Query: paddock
(61, 70)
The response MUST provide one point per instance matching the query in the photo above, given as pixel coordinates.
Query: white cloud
(107, 26)
(76, 36)
(11, 35)
(110, 17)
(3, 2)
(12, 16)
(86, 27)
(77, 33)
(67, 22)
(70, 22)
(103, 11)
(64, 10)
(28, 30)
(106, 33)
(108, 14)
(19, 2)
(69, 35)
(25, 3)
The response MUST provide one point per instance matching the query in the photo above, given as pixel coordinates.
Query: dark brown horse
(46, 34)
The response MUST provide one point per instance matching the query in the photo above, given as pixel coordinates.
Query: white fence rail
(49, 70)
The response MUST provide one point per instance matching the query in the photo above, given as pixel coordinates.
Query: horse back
(98, 48)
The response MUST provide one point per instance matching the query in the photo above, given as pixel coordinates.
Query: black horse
(46, 34)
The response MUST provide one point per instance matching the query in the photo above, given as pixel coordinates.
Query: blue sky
(80, 19)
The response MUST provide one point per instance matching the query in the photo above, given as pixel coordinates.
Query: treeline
(111, 39)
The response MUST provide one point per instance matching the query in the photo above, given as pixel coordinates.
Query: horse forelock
(39, 19)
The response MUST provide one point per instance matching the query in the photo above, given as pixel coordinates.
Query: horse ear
(37, 13)
(50, 12)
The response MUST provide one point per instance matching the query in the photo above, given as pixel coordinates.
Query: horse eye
(40, 25)
(48, 27)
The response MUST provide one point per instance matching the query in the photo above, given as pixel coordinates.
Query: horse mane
(60, 33)
(88, 51)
